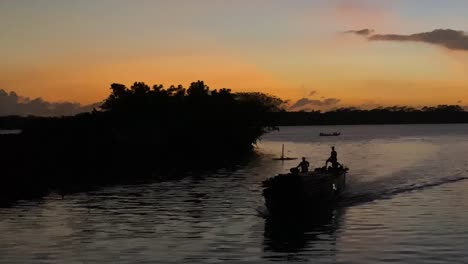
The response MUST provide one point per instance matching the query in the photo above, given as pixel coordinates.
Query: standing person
(333, 159)
(304, 165)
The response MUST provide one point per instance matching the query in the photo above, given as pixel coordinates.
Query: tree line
(139, 132)
(441, 114)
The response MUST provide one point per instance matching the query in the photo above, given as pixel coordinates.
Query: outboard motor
(294, 170)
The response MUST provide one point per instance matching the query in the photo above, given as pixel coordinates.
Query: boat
(310, 192)
(334, 134)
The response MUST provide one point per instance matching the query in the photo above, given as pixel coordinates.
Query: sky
(306, 51)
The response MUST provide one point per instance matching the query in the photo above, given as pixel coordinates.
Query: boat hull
(329, 134)
(304, 193)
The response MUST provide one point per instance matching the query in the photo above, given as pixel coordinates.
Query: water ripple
(406, 203)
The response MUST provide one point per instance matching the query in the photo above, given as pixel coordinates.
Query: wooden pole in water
(282, 152)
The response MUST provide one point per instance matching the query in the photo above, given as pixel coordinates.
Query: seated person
(304, 165)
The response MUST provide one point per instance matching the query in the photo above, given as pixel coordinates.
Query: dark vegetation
(442, 114)
(152, 133)
(139, 133)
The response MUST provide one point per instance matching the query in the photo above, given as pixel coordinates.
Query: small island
(138, 133)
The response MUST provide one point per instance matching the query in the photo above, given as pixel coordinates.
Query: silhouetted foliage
(195, 115)
(146, 132)
(441, 114)
(139, 132)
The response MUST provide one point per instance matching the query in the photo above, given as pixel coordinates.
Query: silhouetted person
(304, 165)
(333, 159)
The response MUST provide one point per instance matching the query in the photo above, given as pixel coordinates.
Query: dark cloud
(362, 32)
(301, 103)
(330, 101)
(312, 93)
(306, 103)
(13, 104)
(449, 38)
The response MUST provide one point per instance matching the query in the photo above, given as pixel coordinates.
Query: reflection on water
(406, 203)
(10, 131)
(292, 236)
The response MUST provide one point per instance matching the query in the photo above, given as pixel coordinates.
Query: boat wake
(366, 195)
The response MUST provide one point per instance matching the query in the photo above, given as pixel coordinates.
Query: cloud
(448, 38)
(312, 93)
(362, 32)
(305, 103)
(13, 104)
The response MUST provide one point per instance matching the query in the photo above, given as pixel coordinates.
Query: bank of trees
(442, 114)
(139, 132)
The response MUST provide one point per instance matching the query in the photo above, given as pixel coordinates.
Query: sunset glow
(74, 50)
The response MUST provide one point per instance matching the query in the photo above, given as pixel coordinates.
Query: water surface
(406, 203)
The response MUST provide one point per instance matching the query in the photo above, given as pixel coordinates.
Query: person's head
(333, 148)
(303, 158)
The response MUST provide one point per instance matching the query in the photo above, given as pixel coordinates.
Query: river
(406, 202)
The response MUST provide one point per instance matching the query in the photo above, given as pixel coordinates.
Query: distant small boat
(10, 131)
(283, 157)
(334, 134)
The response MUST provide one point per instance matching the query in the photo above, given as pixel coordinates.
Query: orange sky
(73, 52)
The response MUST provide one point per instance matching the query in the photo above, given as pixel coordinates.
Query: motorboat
(297, 192)
(334, 134)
